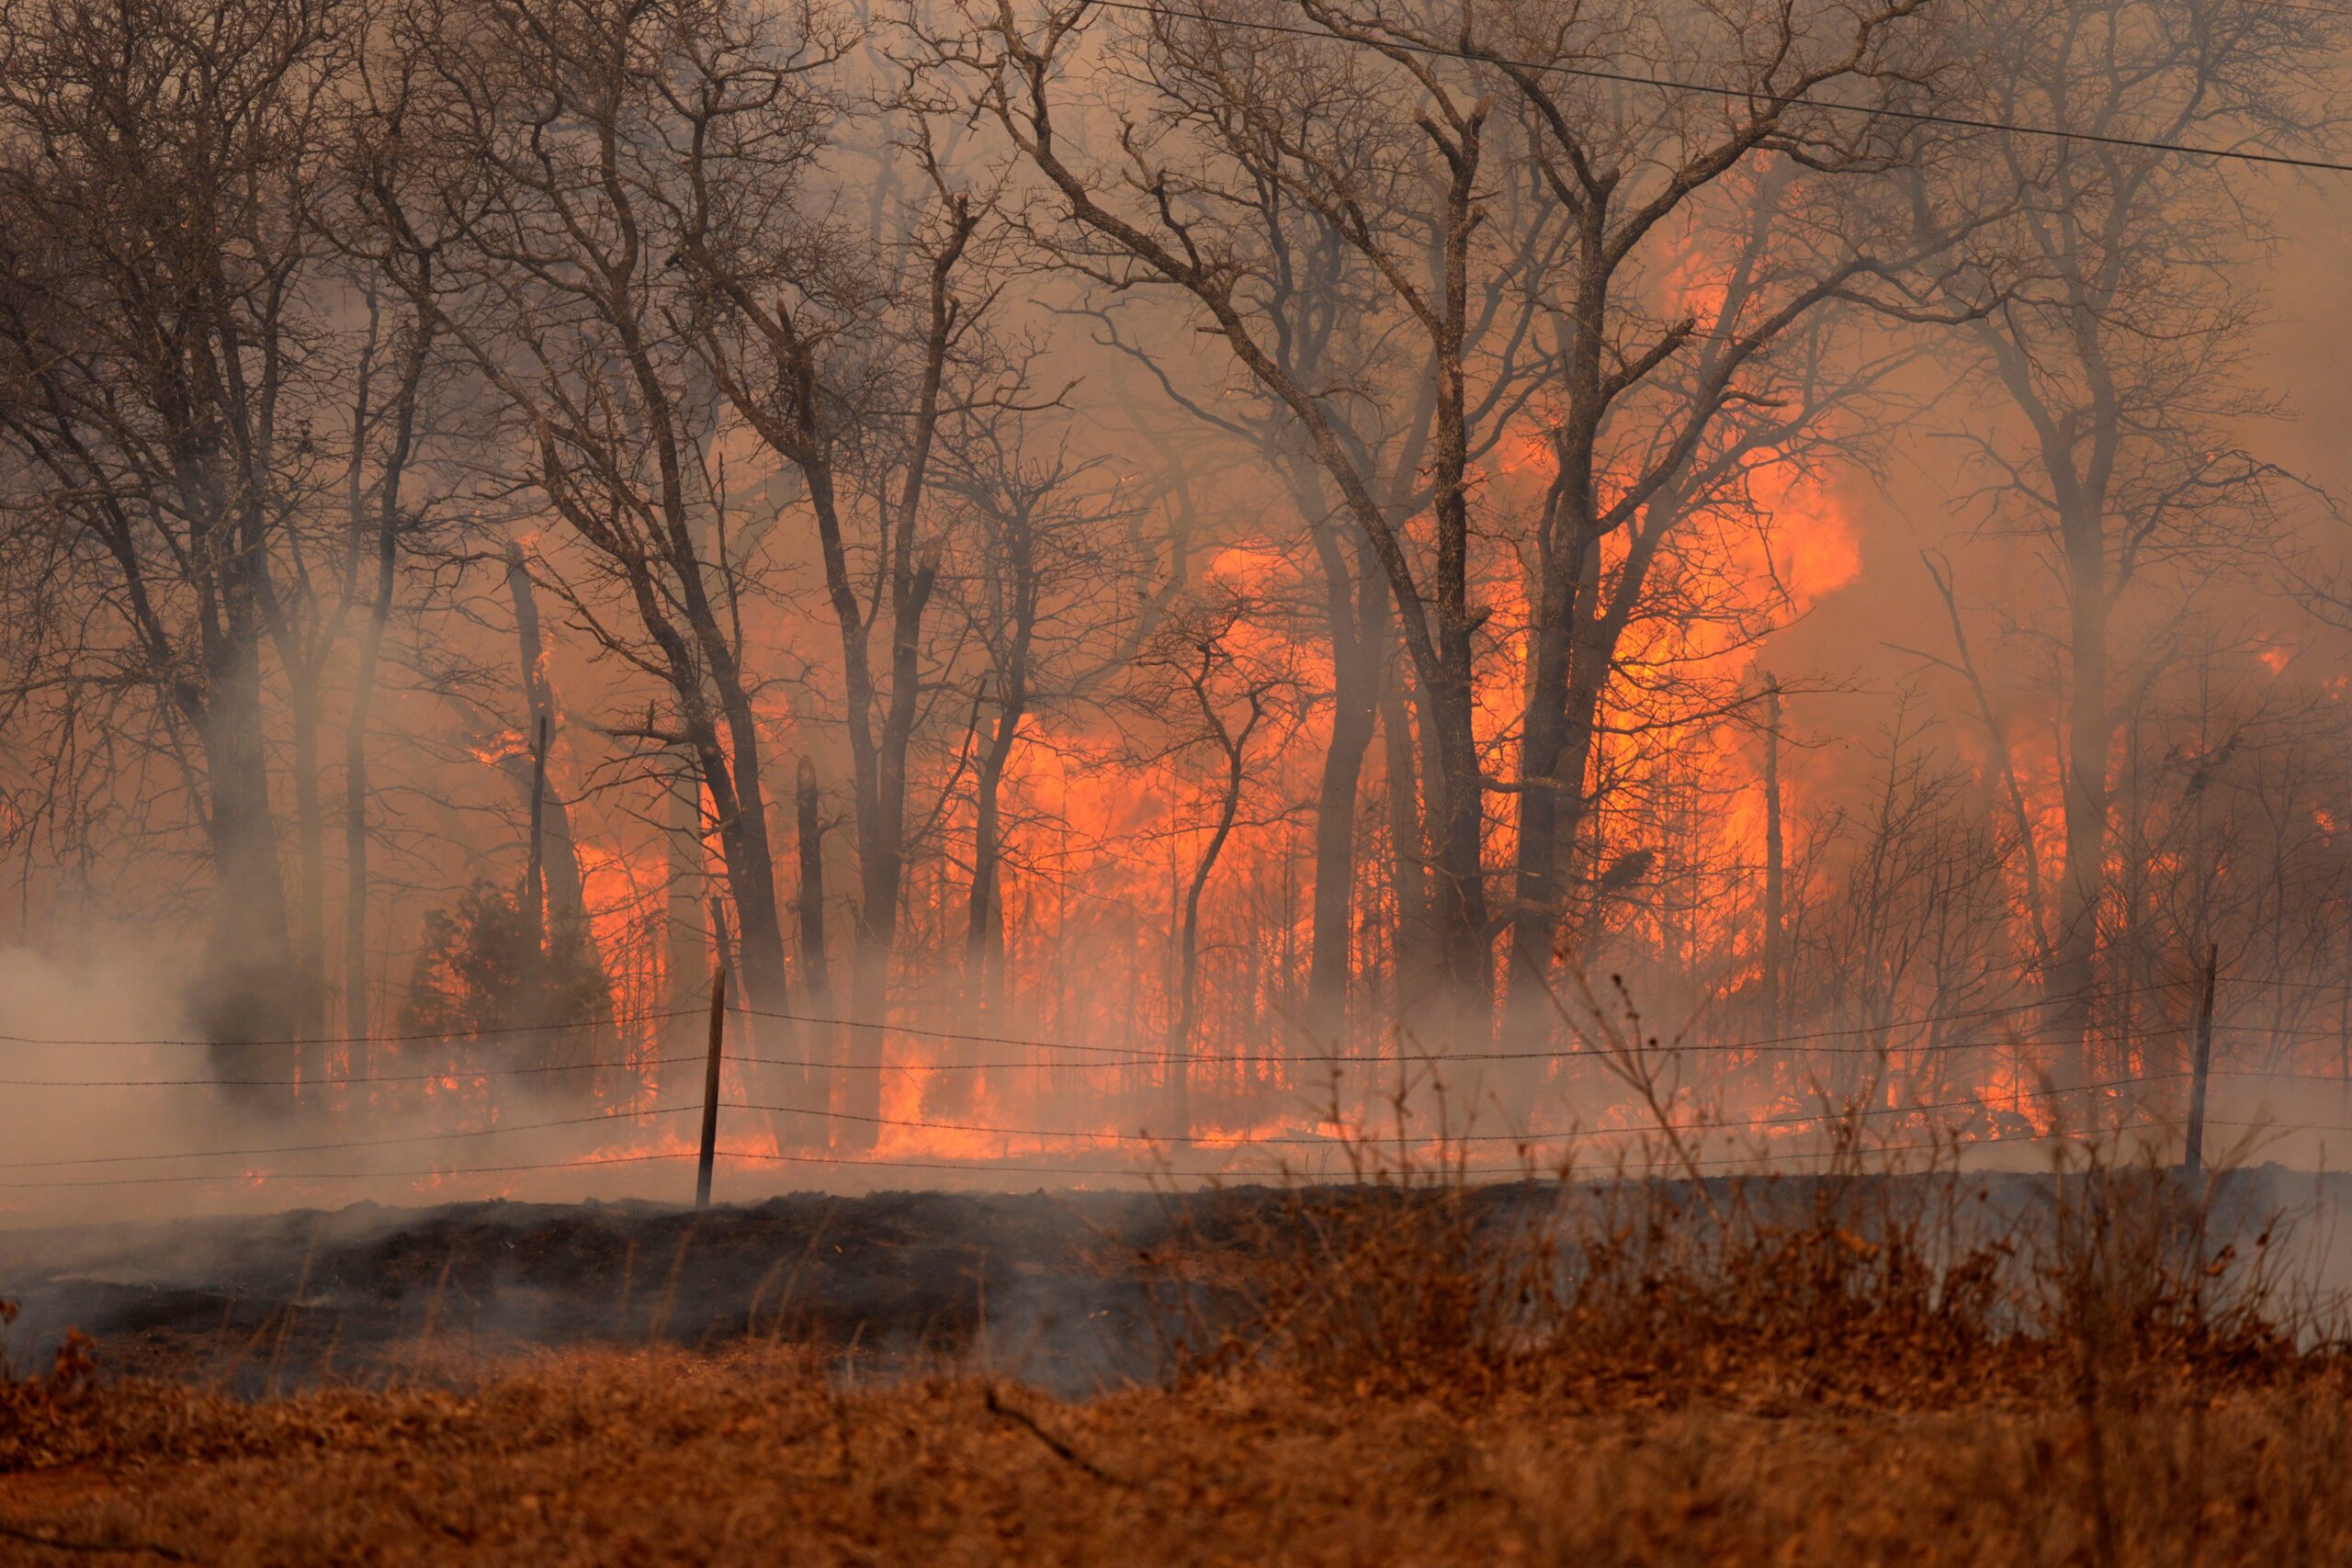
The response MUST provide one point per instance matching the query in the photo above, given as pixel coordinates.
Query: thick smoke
(1114, 715)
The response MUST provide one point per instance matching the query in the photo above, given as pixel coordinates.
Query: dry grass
(1843, 1288)
(1831, 1373)
(671, 1458)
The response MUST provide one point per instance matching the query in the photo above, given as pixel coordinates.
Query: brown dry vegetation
(668, 1458)
(1827, 1372)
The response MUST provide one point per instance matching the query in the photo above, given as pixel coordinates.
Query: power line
(1744, 95)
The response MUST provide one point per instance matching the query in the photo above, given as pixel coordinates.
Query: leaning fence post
(710, 1085)
(2193, 1159)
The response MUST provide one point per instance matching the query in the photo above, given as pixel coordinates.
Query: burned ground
(1071, 1292)
(1034, 1281)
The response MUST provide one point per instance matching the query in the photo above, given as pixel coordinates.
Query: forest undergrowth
(1839, 1368)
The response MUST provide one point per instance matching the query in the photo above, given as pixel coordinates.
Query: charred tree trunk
(1455, 783)
(1551, 770)
(555, 852)
(1017, 589)
(984, 931)
(1354, 718)
(751, 863)
(1355, 604)
(821, 1039)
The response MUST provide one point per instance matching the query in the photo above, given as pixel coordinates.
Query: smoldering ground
(1040, 1286)
(1073, 1291)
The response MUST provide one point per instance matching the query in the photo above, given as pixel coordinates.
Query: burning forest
(1162, 596)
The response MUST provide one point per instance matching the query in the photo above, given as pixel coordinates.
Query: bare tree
(1045, 573)
(171, 371)
(548, 127)
(1206, 696)
(844, 356)
(1384, 129)
(2111, 316)
(381, 519)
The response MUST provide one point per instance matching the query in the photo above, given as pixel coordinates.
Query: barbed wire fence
(1073, 1152)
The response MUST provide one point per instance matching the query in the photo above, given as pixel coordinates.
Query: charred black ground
(1053, 1287)
(369, 1290)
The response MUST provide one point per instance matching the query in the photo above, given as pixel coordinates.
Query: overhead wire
(1213, 1140)
(1745, 95)
(1523, 1169)
(1139, 1056)
(1327, 1141)
(435, 1036)
(491, 1132)
(330, 1080)
(1806, 1041)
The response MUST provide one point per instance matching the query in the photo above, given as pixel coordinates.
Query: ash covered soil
(1044, 1285)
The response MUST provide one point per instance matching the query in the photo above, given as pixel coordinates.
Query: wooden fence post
(2193, 1160)
(710, 1085)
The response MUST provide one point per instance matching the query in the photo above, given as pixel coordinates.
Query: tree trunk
(254, 989)
(1775, 884)
(1355, 715)
(984, 929)
(1408, 844)
(557, 851)
(816, 972)
(310, 915)
(1355, 608)
(2083, 883)
(1547, 772)
(385, 555)
(356, 835)
(689, 953)
(1184, 1015)
(751, 865)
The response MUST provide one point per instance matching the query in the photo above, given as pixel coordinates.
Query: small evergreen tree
(482, 971)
